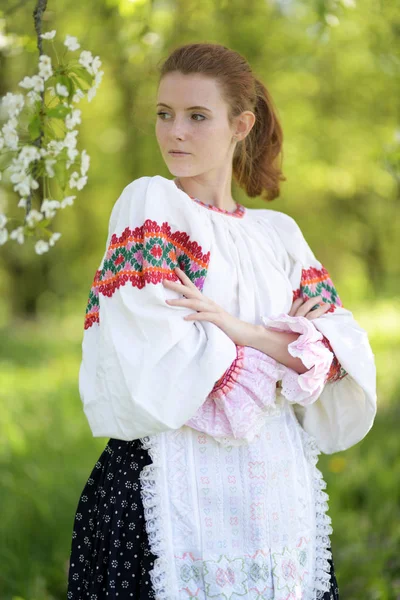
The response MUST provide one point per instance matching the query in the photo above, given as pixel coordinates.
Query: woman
(219, 360)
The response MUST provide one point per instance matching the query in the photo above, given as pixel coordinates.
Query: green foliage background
(336, 88)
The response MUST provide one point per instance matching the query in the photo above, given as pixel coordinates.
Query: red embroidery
(336, 370)
(233, 368)
(147, 254)
(317, 282)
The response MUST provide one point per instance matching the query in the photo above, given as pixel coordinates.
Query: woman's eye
(194, 115)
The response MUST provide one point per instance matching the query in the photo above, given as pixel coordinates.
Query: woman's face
(205, 135)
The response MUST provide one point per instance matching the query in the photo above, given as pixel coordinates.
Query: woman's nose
(178, 128)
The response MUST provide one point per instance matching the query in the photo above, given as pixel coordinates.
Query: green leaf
(58, 112)
(78, 84)
(34, 127)
(83, 74)
(43, 223)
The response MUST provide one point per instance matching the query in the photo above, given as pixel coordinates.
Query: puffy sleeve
(145, 369)
(342, 380)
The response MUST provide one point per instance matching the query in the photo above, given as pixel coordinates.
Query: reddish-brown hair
(255, 165)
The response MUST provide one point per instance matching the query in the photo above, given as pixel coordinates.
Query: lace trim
(323, 527)
(303, 388)
(155, 519)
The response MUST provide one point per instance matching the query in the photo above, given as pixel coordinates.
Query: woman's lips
(178, 153)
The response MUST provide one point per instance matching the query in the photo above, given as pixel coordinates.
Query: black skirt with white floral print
(110, 555)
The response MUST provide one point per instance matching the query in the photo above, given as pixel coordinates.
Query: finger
(298, 302)
(170, 282)
(307, 305)
(183, 275)
(196, 304)
(201, 316)
(314, 314)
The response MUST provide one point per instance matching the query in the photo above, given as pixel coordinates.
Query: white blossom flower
(54, 147)
(18, 234)
(91, 93)
(41, 246)
(13, 103)
(49, 166)
(76, 181)
(33, 217)
(67, 201)
(22, 203)
(38, 83)
(82, 181)
(3, 220)
(49, 207)
(11, 140)
(54, 237)
(35, 82)
(28, 154)
(49, 35)
(10, 135)
(96, 64)
(85, 162)
(71, 42)
(85, 59)
(24, 181)
(44, 59)
(98, 77)
(45, 68)
(97, 80)
(78, 96)
(70, 139)
(70, 143)
(61, 89)
(73, 119)
(45, 72)
(33, 97)
(24, 186)
(27, 82)
(3, 236)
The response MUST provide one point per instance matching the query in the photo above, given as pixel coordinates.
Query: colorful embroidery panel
(317, 282)
(144, 255)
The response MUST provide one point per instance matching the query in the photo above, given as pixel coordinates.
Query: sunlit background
(333, 70)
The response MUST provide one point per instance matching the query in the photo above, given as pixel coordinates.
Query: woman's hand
(304, 308)
(207, 310)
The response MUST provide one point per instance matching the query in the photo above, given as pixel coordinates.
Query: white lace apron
(237, 522)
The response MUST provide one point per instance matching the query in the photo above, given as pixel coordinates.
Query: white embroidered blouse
(234, 503)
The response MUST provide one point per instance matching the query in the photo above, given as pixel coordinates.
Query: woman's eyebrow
(190, 107)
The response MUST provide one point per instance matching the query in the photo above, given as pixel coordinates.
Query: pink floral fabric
(239, 399)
